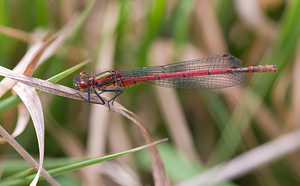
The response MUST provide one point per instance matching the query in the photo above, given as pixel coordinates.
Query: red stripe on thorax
(92, 80)
(101, 80)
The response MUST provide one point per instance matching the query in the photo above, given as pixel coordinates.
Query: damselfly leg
(116, 91)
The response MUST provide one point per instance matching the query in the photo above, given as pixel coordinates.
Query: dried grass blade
(25, 154)
(28, 64)
(23, 118)
(246, 162)
(33, 104)
(22, 122)
(158, 169)
(30, 68)
(15, 33)
(23, 114)
(162, 51)
(250, 12)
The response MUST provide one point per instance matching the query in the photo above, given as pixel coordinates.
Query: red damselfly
(213, 72)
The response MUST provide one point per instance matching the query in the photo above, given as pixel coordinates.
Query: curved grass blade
(79, 164)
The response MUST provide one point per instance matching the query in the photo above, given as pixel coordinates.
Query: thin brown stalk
(35, 59)
(162, 52)
(26, 155)
(15, 33)
(159, 173)
(245, 163)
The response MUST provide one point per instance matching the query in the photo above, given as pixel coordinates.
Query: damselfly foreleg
(101, 99)
(89, 98)
(117, 93)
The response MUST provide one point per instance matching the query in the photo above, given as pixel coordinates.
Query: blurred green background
(205, 127)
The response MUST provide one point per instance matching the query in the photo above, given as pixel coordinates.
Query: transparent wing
(193, 82)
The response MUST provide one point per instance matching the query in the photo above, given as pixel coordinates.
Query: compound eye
(83, 85)
(83, 73)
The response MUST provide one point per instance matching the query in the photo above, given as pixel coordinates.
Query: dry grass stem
(212, 35)
(162, 52)
(295, 116)
(30, 98)
(246, 162)
(251, 14)
(15, 33)
(22, 122)
(119, 139)
(27, 65)
(263, 116)
(159, 173)
(26, 156)
(120, 173)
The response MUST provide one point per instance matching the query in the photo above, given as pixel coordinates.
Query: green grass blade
(182, 18)
(79, 164)
(81, 20)
(12, 101)
(155, 19)
(230, 136)
(67, 72)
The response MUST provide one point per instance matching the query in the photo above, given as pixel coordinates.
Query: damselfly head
(82, 81)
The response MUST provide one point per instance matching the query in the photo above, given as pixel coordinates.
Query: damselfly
(213, 72)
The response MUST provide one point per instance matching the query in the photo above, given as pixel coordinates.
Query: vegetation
(244, 135)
